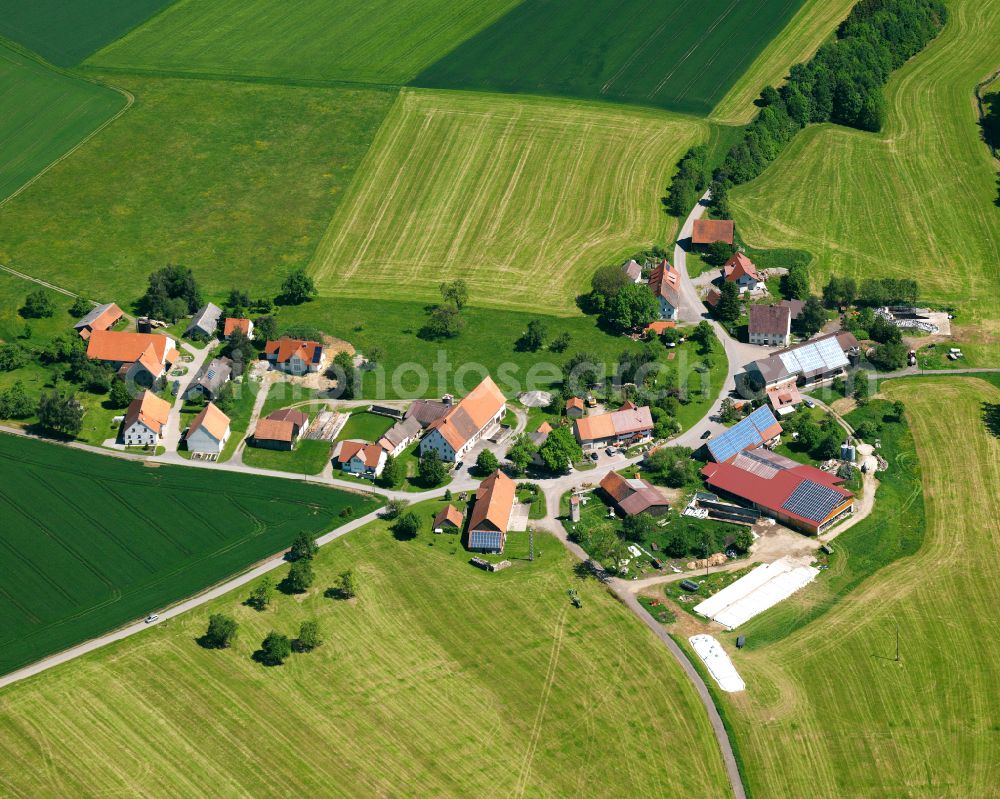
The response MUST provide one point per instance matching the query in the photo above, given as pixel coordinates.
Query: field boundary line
(129, 101)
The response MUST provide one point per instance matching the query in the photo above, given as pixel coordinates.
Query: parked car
(612, 450)
(151, 618)
(809, 403)
(593, 456)
(706, 434)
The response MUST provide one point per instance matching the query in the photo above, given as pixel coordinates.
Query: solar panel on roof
(746, 433)
(485, 539)
(812, 500)
(833, 356)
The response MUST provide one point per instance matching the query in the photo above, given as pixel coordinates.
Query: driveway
(172, 435)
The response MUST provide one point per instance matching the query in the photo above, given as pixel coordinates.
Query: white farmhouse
(452, 436)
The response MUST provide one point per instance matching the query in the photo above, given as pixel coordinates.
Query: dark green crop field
(66, 31)
(677, 54)
(90, 542)
(45, 114)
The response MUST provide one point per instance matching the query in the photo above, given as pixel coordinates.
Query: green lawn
(523, 198)
(488, 340)
(66, 31)
(237, 181)
(828, 711)
(887, 204)
(284, 394)
(365, 426)
(47, 113)
(440, 680)
(98, 541)
(681, 55)
(308, 457)
(383, 41)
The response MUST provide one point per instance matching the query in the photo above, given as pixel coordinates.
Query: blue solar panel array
(485, 540)
(813, 501)
(746, 433)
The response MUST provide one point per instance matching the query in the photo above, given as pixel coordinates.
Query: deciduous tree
(275, 649)
(221, 631)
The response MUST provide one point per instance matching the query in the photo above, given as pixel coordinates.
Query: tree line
(842, 83)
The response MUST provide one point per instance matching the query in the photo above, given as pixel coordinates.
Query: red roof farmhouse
(629, 425)
(142, 358)
(743, 272)
(296, 356)
(491, 512)
(451, 436)
(665, 283)
(144, 420)
(100, 318)
(362, 458)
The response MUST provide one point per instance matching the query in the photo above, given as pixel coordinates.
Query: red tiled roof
(468, 417)
(665, 281)
(575, 402)
(632, 496)
(274, 430)
(494, 503)
(148, 409)
(706, 231)
(616, 423)
(369, 454)
(211, 419)
(297, 418)
(111, 345)
(656, 328)
(740, 265)
(449, 515)
(284, 349)
(770, 493)
(233, 323)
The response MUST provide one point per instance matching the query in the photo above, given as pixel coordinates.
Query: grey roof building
(210, 379)
(206, 321)
(427, 411)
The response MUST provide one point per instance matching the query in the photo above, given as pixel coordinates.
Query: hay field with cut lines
(917, 200)
(522, 197)
(439, 680)
(829, 712)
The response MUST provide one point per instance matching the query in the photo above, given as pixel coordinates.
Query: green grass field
(308, 457)
(365, 426)
(93, 542)
(813, 23)
(236, 181)
(65, 32)
(915, 201)
(829, 713)
(523, 198)
(385, 41)
(47, 113)
(681, 55)
(454, 681)
(414, 367)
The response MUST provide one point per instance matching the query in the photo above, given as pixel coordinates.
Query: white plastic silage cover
(717, 662)
(761, 589)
